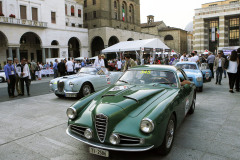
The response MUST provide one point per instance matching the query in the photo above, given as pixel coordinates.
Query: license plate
(70, 95)
(99, 152)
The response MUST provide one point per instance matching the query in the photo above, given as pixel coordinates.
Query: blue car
(193, 73)
(207, 73)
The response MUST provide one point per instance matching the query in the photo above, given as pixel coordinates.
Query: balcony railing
(10, 20)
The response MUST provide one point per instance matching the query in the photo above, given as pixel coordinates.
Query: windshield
(187, 66)
(151, 77)
(204, 66)
(93, 71)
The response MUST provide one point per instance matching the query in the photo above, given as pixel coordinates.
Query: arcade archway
(97, 46)
(74, 47)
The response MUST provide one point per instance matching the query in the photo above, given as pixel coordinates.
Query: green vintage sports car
(141, 111)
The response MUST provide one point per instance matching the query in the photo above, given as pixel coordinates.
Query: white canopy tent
(136, 45)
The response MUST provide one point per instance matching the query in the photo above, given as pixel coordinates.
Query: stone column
(223, 32)
(10, 52)
(18, 53)
(49, 53)
(43, 55)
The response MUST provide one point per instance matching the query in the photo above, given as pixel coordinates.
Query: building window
(94, 14)
(85, 16)
(94, 26)
(213, 35)
(72, 11)
(34, 14)
(0, 6)
(130, 9)
(79, 25)
(234, 32)
(66, 23)
(85, 3)
(94, 2)
(168, 38)
(23, 12)
(116, 15)
(212, 5)
(53, 17)
(115, 4)
(79, 13)
(73, 24)
(233, 2)
(66, 9)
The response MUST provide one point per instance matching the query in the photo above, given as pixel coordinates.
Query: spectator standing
(172, 59)
(69, 67)
(119, 65)
(151, 60)
(77, 66)
(62, 68)
(39, 71)
(55, 68)
(210, 61)
(183, 57)
(129, 63)
(82, 63)
(99, 62)
(25, 76)
(238, 72)
(17, 67)
(225, 57)
(33, 70)
(105, 61)
(10, 74)
(219, 66)
(232, 70)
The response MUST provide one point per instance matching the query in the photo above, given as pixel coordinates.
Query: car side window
(181, 76)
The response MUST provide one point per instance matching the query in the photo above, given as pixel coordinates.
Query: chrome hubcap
(86, 90)
(170, 133)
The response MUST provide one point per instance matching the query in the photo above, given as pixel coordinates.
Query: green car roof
(155, 67)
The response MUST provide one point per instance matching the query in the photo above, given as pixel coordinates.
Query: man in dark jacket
(61, 68)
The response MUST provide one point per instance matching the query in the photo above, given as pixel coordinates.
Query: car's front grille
(78, 129)
(101, 126)
(126, 140)
(60, 86)
(190, 78)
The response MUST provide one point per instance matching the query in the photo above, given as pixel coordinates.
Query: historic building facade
(37, 29)
(217, 25)
(112, 21)
(174, 38)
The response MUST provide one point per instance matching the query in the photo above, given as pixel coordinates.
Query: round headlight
(71, 113)
(114, 139)
(147, 125)
(71, 84)
(199, 78)
(88, 133)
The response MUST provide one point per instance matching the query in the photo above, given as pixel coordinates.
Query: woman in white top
(232, 70)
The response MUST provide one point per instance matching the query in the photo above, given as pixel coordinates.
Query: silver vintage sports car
(86, 81)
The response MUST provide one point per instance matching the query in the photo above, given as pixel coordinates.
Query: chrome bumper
(66, 93)
(107, 147)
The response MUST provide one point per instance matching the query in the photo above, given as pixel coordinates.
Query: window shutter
(35, 14)
(53, 17)
(0, 6)
(23, 12)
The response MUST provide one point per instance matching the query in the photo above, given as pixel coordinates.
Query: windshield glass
(187, 66)
(204, 66)
(151, 77)
(93, 71)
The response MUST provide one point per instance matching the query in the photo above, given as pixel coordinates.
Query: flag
(123, 11)
(218, 32)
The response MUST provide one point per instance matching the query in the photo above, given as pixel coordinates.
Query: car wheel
(1, 80)
(167, 144)
(85, 90)
(60, 96)
(192, 108)
(200, 89)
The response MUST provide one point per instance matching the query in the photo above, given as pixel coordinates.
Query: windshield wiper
(123, 81)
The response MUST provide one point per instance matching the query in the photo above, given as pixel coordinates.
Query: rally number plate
(99, 152)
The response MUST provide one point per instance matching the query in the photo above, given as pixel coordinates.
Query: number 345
(145, 72)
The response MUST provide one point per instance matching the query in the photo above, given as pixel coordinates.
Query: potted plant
(1, 14)
(12, 16)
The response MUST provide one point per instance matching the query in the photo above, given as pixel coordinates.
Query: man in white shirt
(119, 64)
(25, 76)
(195, 57)
(69, 67)
(17, 67)
(99, 62)
(183, 57)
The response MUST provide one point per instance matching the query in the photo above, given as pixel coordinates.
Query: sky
(174, 13)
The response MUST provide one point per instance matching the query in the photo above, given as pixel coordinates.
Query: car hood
(129, 100)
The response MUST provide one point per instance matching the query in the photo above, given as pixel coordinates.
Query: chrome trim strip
(107, 147)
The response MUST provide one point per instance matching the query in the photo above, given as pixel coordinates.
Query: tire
(86, 90)
(60, 96)
(167, 144)
(192, 108)
(1, 79)
(200, 89)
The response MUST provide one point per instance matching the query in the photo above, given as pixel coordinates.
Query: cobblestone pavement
(33, 128)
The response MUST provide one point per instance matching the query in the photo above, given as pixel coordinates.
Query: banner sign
(148, 49)
(213, 34)
(167, 50)
(159, 50)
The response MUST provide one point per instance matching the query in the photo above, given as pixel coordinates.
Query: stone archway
(55, 49)
(97, 46)
(74, 47)
(130, 39)
(30, 47)
(113, 40)
(3, 48)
